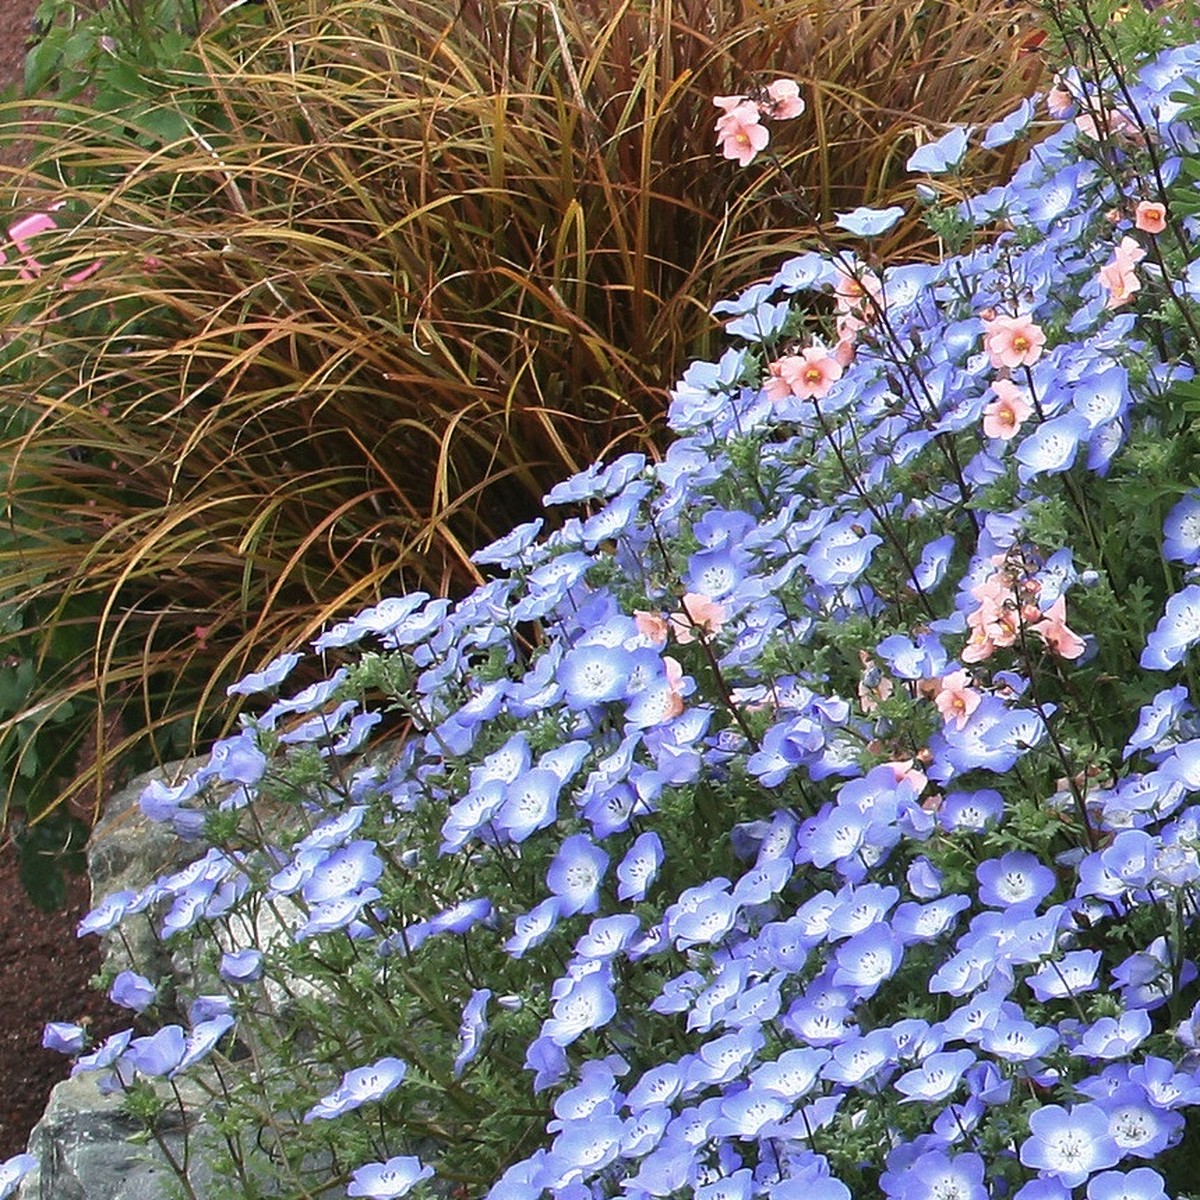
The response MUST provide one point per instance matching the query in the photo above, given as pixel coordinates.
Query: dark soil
(44, 973)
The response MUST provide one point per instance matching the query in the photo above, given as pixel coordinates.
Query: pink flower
(808, 375)
(740, 134)
(1002, 418)
(700, 612)
(1150, 216)
(785, 101)
(957, 700)
(1128, 254)
(652, 626)
(1058, 101)
(906, 770)
(1013, 341)
(815, 373)
(675, 686)
(1052, 629)
(1120, 283)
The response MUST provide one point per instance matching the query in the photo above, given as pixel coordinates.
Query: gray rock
(84, 1153)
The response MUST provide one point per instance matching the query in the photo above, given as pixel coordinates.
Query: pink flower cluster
(19, 234)
(740, 131)
(1008, 609)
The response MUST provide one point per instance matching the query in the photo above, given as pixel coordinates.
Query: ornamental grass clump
(812, 813)
(374, 276)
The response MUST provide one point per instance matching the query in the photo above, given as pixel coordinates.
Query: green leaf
(42, 62)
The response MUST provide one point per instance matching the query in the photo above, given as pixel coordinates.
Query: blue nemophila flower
(63, 1037)
(1176, 632)
(1158, 719)
(359, 1086)
(156, 1056)
(388, 1180)
(869, 222)
(640, 866)
(1114, 1037)
(336, 914)
(575, 873)
(1051, 448)
(532, 928)
(1015, 878)
(1068, 976)
(1070, 1144)
(471, 1029)
(792, 1075)
(1139, 1127)
(606, 937)
(942, 155)
(938, 1174)
(1010, 127)
(13, 1170)
(1017, 1041)
(530, 803)
(868, 960)
(202, 1039)
(1142, 1183)
(107, 914)
(1181, 531)
(928, 922)
(241, 966)
(133, 991)
(937, 1078)
(595, 674)
(344, 872)
(271, 676)
(581, 1003)
(508, 550)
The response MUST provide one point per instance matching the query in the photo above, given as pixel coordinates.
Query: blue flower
(63, 1037)
(1069, 976)
(1181, 531)
(1139, 1127)
(241, 966)
(869, 222)
(471, 1029)
(940, 156)
(388, 1180)
(1015, 878)
(937, 1078)
(13, 1170)
(575, 873)
(640, 866)
(133, 991)
(1176, 632)
(581, 1003)
(359, 1086)
(1142, 1183)
(1070, 1144)
(271, 676)
(1010, 127)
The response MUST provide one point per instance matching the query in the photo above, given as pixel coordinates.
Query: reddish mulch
(44, 973)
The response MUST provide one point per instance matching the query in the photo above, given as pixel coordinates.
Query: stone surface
(84, 1153)
(82, 1141)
